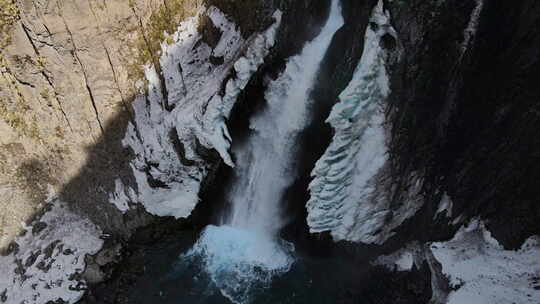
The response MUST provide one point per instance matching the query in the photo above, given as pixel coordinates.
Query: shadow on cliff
(89, 192)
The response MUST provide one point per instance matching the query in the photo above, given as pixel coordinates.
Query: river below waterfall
(171, 278)
(244, 257)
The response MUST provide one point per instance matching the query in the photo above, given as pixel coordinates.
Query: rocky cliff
(118, 116)
(463, 110)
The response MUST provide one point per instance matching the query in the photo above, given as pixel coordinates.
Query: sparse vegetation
(14, 109)
(59, 132)
(44, 93)
(9, 14)
(41, 62)
(14, 115)
(159, 27)
(33, 176)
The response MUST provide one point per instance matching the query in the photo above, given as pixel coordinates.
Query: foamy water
(238, 260)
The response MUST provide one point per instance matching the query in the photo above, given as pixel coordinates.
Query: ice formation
(168, 165)
(345, 198)
(49, 258)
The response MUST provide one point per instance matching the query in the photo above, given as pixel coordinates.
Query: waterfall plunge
(245, 252)
(265, 161)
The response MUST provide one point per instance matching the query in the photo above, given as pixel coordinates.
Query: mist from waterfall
(245, 251)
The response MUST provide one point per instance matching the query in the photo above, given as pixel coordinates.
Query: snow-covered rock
(49, 258)
(483, 272)
(168, 166)
(346, 195)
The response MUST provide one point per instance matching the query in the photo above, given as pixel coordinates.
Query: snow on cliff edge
(49, 258)
(482, 272)
(170, 142)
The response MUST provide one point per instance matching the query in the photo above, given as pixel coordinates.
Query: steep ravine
(415, 180)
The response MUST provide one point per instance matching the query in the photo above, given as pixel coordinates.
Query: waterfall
(245, 252)
(265, 161)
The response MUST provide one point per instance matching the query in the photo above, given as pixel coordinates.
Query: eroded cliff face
(70, 71)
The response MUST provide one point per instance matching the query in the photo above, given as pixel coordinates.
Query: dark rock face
(467, 117)
(402, 287)
(334, 74)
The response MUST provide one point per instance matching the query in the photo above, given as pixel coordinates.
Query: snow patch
(121, 196)
(168, 164)
(484, 273)
(47, 262)
(402, 260)
(445, 207)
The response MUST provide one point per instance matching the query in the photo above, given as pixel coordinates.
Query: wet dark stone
(468, 121)
(388, 42)
(467, 118)
(217, 60)
(32, 258)
(13, 247)
(38, 227)
(210, 33)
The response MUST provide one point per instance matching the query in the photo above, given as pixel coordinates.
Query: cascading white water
(245, 251)
(265, 160)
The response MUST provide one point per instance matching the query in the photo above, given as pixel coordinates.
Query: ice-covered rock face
(168, 166)
(49, 259)
(481, 271)
(346, 198)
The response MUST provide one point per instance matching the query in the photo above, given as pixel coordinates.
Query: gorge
(284, 151)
